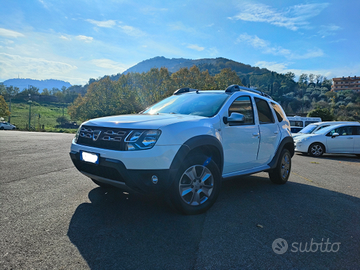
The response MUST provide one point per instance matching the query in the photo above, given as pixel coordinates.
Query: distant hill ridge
(213, 65)
(41, 84)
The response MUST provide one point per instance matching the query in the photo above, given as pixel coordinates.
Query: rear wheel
(196, 185)
(316, 150)
(281, 173)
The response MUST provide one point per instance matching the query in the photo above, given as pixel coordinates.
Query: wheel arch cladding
(205, 144)
(286, 143)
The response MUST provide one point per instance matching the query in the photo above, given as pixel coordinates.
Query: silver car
(6, 125)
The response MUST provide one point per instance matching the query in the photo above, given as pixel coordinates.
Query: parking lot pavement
(52, 217)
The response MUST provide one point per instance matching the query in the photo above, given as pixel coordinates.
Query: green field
(43, 116)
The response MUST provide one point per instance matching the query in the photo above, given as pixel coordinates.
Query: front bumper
(301, 147)
(114, 172)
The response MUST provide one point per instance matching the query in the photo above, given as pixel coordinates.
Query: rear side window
(264, 111)
(279, 112)
(296, 123)
(243, 105)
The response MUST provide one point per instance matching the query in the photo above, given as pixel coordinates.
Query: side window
(358, 131)
(243, 105)
(343, 131)
(264, 111)
(296, 123)
(278, 111)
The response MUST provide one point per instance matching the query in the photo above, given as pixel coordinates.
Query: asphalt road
(52, 217)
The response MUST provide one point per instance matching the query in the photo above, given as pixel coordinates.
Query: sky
(82, 39)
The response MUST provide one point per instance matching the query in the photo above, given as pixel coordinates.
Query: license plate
(89, 157)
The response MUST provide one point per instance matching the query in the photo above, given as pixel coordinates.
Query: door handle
(255, 134)
(276, 132)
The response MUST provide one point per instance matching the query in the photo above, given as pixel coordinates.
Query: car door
(343, 143)
(241, 140)
(269, 131)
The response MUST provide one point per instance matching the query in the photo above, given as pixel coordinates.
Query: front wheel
(196, 185)
(316, 150)
(281, 173)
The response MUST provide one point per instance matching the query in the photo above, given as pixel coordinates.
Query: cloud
(195, 47)
(179, 26)
(265, 47)
(9, 33)
(64, 37)
(329, 73)
(262, 44)
(293, 18)
(109, 64)
(132, 31)
(107, 24)
(84, 38)
(328, 30)
(28, 67)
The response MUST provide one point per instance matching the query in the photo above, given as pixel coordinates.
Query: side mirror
(235, 118)
(334, 135)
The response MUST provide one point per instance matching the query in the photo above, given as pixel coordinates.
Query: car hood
(300, 137)
(141, 121)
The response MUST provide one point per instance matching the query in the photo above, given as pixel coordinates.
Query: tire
(281, 173)
(2, 128)
(358, 155)
(103, 185)
(316, 150)
(196, 185)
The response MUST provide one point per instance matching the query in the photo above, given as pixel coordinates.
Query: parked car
(342, 139)
(185, 145)
(297, 123)
(312, 128)
(6, 125)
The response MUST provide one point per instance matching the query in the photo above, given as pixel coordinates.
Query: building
(346, 83)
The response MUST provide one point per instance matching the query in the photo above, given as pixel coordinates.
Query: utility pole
(29, 111)
(9, 110)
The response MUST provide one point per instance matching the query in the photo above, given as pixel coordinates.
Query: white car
(341, 139)
(6, 125)
(185, 145)
(312, 128)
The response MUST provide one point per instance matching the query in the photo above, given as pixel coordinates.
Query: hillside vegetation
(132, 92)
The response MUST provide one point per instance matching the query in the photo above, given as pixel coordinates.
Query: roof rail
(234, 88)
(184, 90)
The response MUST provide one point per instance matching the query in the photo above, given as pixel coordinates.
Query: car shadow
(337, 157)
(117, 230)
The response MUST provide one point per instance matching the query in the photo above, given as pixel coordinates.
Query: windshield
(308, 129)
(324, 130)
(202, 104)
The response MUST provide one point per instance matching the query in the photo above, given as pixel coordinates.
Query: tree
(324, 114)
(4, 109)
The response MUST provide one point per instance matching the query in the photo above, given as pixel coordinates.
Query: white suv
(186, 144)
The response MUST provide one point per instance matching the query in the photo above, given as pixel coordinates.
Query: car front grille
(102, 137)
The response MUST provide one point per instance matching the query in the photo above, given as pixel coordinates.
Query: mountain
(214, 65)
(41, 84)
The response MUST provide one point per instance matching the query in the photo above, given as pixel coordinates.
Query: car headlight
(141, 139)
(77, 134)
(302, 140)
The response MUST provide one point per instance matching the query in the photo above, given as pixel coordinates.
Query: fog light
(154, 179)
